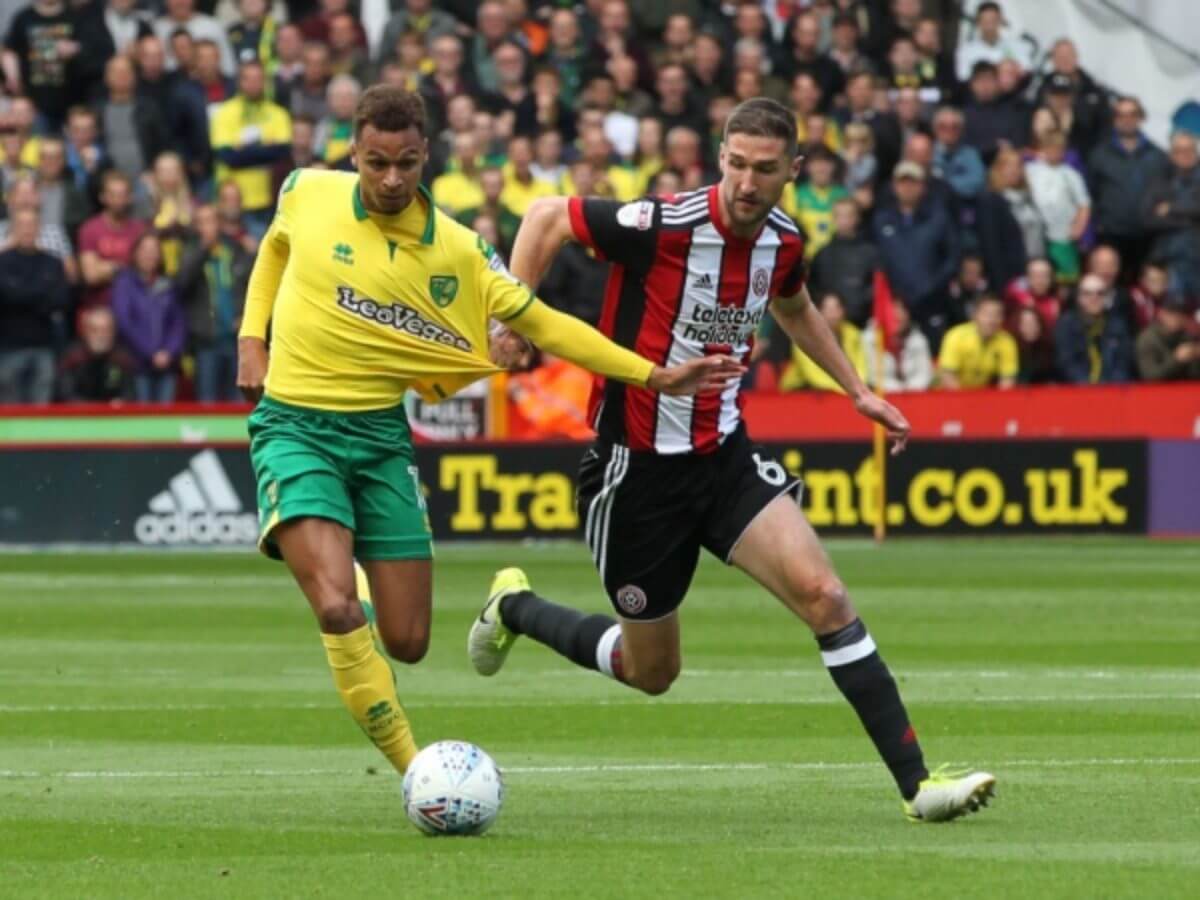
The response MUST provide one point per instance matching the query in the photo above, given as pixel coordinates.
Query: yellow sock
(364, 679)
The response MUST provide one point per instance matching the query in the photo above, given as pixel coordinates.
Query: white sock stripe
(604, 650)
(843, 656)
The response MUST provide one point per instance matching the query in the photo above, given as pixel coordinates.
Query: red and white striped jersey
(681, 286)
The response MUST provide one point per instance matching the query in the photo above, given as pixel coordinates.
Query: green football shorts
(356, 469)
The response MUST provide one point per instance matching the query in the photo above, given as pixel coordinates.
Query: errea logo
(343, 253)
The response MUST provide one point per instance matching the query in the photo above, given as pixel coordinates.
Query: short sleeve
(281, 224)
(503, 295)
(620, 232)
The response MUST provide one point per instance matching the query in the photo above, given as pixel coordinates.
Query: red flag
(885, 315)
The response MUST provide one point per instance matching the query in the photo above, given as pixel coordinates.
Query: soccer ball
(453, 787)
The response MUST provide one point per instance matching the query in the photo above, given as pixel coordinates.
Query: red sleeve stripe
(579, 224)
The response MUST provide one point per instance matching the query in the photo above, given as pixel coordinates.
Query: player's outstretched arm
(544, 229)
(583, 345)
(806, 326)
(260, 300)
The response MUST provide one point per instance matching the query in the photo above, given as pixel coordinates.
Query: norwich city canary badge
(443, 289)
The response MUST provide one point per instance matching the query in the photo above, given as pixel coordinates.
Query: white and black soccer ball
(453, 787)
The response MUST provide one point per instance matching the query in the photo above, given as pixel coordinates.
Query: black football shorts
(646, 515)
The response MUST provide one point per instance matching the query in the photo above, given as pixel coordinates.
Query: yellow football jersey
(976, 362)
(369, 306)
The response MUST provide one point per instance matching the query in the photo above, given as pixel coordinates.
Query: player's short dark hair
(389, 108)
(763, 117)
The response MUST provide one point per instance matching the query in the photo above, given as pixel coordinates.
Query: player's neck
(746, 232)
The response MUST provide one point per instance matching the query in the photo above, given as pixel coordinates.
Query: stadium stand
(961, 168)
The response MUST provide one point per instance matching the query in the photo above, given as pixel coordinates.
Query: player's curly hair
(389, 108)
(763, 117)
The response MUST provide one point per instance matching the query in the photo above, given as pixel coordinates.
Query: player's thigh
(640, 527)
(650, 654)
(385, 489)
(299, 461)
(402, 594)
(780, 550)
(319, 554)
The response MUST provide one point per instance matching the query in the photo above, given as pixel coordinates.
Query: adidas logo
(199, 506)
(704, 281)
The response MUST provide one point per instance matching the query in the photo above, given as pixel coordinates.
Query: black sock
(573, 634)
(863, 678)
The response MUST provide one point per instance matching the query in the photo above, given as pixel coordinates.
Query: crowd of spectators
(1029, 229)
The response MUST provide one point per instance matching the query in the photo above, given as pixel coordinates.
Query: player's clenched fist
(696, 376)
(252, 367)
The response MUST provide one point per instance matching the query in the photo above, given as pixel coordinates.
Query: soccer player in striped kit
(667, 476)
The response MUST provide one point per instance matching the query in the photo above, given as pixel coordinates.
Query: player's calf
(654, 678)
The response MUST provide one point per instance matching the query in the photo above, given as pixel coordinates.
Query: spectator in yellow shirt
(979, 353)
(802, 372)
(249, 134)
(335, 132)
(612, 181)
(457, 189)
(521, 188)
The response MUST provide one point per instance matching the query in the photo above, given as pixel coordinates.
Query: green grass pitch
(168, 729)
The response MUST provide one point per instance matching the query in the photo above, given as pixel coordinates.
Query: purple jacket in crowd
(149, 317)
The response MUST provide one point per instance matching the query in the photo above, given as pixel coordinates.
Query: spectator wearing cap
(920, 247)
(847, 264)
(989, 42)
(1120, 171)
(418, 17)
(979, 353)
(1090, 115)
(1166, 350)
(1172, 206)
(1092, 344)
(991, 120)
(811, 201)
(802, 53)
(954, 161)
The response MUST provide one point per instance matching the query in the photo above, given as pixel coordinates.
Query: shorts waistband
(272, 403)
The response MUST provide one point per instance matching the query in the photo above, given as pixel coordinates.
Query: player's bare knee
(409, 647)
(341, 617)
(820, 595)
(654, 680)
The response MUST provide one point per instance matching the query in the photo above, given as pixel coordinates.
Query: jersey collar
(360, 211)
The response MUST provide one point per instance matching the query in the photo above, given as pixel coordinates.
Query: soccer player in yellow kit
(369, 291)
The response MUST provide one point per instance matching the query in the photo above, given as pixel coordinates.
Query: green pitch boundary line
(599, 768)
